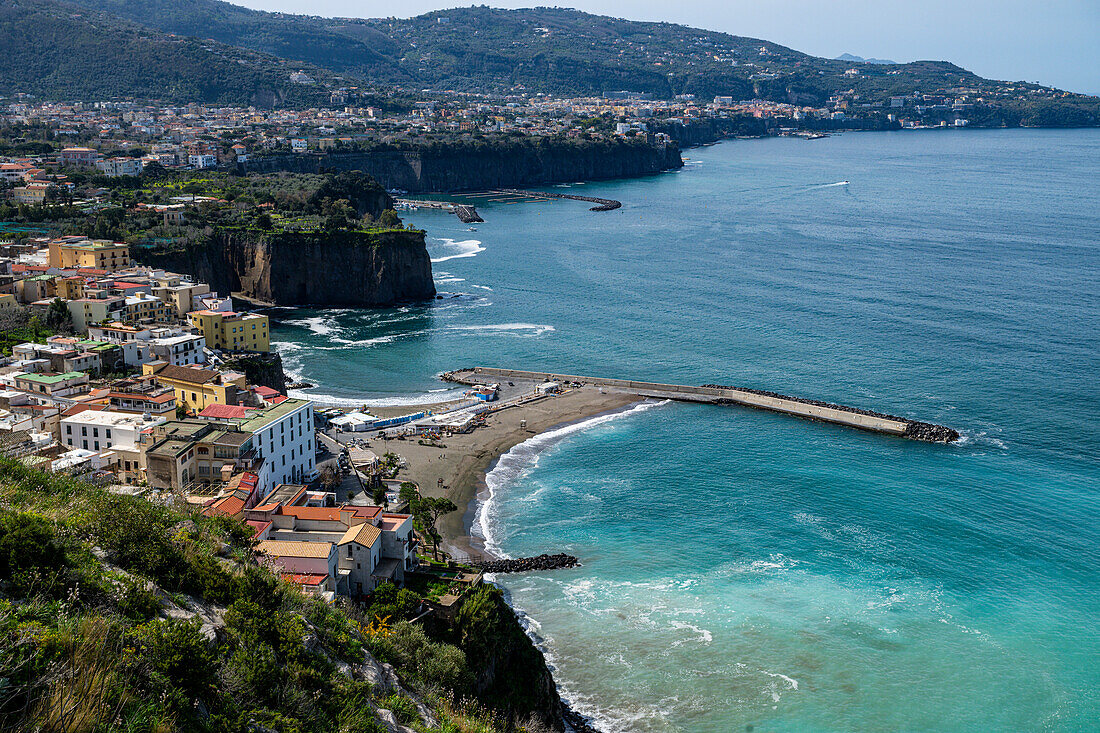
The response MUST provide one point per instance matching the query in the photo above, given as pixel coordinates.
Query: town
(140, 395)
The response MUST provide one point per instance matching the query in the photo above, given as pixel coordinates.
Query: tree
(58, 316)
(408, 493)
(378, 494)
(427, 512)
(181, 411)
(389, 218)
(263, 221)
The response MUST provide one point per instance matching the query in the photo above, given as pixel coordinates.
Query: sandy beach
(462, 465)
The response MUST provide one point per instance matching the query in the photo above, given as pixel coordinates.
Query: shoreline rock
(527, 564)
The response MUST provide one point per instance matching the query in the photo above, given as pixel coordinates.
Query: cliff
(262, 369)
(472, 167)
(510, 672)
(710, 130)
(344, 268)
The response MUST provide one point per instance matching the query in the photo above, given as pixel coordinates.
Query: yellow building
(232, 331)
(69, 288)
(73, 252)
(196, 389)
(7, 300)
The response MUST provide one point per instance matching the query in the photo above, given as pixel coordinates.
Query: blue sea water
(749, 571)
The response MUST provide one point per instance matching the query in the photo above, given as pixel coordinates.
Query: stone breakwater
(603, 204)
(913, 428)
(527, 564)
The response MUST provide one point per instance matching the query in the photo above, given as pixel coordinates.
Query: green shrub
(138, 602)
(31, 558)
(403, 708)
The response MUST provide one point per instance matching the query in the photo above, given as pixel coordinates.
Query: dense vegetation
(119, 613)
(562, 51)
(55, 50)
(278, 202)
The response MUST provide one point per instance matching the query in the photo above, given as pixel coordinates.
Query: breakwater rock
(527, 564)
(913, 428)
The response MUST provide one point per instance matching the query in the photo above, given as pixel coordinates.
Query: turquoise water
(743, 569)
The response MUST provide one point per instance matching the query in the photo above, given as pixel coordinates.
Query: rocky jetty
(527, 564)
(913, 428)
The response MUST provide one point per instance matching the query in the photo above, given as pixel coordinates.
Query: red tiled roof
(263, 391)
(227, 505)
(224, 412)
(77, 409)
(257, 526)
(316, 513)
(305, 578)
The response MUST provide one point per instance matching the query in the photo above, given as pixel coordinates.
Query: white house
(100, 431)
(202, 161)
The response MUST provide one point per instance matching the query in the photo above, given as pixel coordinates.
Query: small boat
(471, 229)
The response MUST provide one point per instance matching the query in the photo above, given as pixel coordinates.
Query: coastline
(467, 458)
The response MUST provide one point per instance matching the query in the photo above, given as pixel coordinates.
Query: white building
(115, 167)
(283, 436)
(181, 350)
(202, 161)
(101, 431)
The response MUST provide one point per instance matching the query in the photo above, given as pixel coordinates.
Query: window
(69, 431)
(85, 445)
(97, 445)
(349, 550)
(83, 430)
(108, 433)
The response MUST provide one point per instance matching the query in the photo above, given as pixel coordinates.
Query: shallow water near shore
(748, 569)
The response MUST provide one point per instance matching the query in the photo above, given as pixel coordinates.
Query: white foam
(704, 636)
(320, 325)
(522, 458)
(537, 329)
(460, 249)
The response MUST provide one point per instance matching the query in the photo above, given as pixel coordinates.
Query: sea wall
(340, 269)
(719, 394)
(472, 168)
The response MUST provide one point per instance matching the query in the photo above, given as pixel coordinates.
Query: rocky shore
(527, 564)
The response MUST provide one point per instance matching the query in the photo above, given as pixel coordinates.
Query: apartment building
(77, 252)
(233, 331)
(197, 388)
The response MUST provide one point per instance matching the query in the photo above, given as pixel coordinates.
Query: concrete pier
(720, 395)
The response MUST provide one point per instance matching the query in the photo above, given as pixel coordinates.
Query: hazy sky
(1054, 42)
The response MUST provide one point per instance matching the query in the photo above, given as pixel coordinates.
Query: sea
(748, 571)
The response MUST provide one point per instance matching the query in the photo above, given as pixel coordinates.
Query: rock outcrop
(341, 269)
(263, 369)
(473, 168)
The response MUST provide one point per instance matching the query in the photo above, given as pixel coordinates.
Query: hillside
(119, 613)
(560, 51)
(56, 50)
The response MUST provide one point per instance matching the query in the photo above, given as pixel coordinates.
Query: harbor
(723, 395)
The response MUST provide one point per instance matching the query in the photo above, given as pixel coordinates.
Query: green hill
(552, 50)
(60, 51)
(120, 613)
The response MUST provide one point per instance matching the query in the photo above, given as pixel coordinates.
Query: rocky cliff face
(263, 369)
(705, 131)
(486, 167)
(343, 269)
